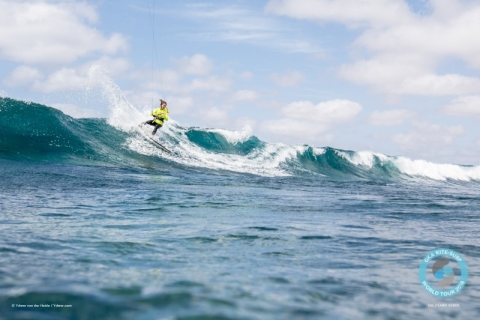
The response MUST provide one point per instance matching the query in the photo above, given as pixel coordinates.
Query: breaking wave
(31, 131)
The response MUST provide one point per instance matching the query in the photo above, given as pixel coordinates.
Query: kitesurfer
(159, 116)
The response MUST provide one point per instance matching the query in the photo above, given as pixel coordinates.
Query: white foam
(418, 168)
(436, 171)
(265, 162)
(234, 137)
(318, 151)
(363, 158)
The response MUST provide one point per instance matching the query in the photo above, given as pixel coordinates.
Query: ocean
(98, 223)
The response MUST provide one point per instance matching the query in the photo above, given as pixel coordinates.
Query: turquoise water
(96, 219)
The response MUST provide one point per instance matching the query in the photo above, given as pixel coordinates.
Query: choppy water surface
(248, 231)
(147, 244)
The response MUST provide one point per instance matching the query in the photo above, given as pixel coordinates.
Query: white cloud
(211, 83)
(161, 80)
(385, 69)
(235, 24)
(23, 75)
(390, 117)
(447, 32)
(62, 80)
(463, 106)
(306, 121)
(246, 75)
(401, 75)
(181, 105)
(178, 81)
(426, 135)
(65, 78)
(198, 64)
(296, 128)
(350, 12)
(435, 85)
(111, 66)
(289, 79)
(404, 49)
(75, 111)
(329, 112)
(215, 117)
(245, 95)
(52, 32)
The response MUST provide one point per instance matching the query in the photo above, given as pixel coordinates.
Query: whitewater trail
(262, 161)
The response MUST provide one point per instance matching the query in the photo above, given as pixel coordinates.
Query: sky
(395, 77)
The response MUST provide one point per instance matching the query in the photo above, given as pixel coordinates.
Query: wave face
(36, 132)
(30, 131)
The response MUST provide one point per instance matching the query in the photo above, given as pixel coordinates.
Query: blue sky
(390, 76)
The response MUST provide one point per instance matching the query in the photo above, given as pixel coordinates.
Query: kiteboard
(150, 137)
